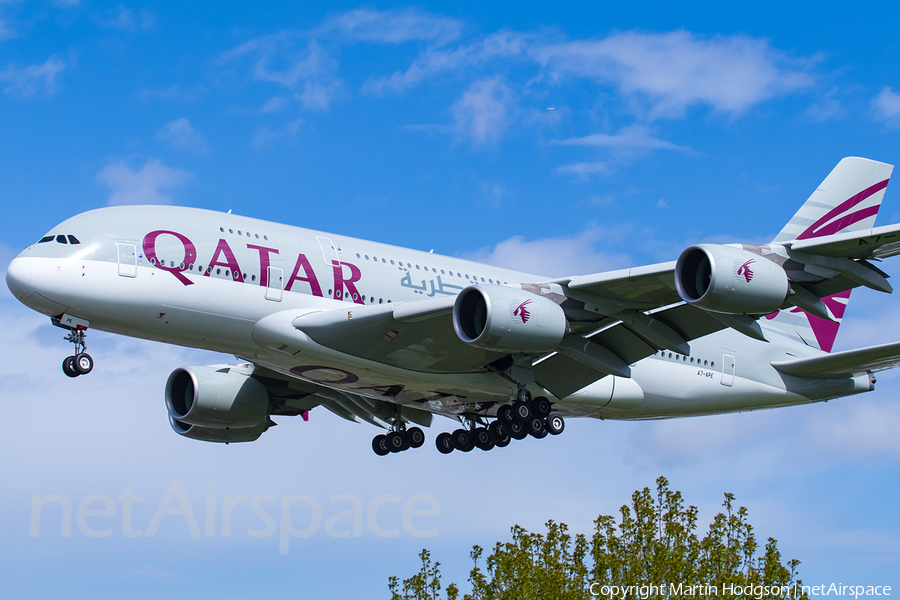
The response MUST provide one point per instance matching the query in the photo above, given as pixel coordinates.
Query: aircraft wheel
(84, 364)
(504, 442)
(555, 424)
(505, 414)
(68, 367)
(541, 407)
(444, 443)
(462, 440)
(498, 431)
(517, 431)
(521, 411)
(482, 439)
(395, 442)
(536, 427)
(379, 445)
(415, 437)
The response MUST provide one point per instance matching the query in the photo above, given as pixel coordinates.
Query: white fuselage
(234, 284)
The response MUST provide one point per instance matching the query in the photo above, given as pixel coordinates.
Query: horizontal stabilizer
(878, 242)
(843, 364)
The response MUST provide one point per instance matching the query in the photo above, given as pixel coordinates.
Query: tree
(653, 552)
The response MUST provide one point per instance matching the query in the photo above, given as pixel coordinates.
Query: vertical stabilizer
(848, 200)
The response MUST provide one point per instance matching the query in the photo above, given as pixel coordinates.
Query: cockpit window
(47, 238)
(73, 239)
(61, 239)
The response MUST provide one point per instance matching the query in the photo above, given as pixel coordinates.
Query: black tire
(84, 364)
(68, 367)
(379, 445)
(444, 443)
(395, 442)
(555, 424)
(541, 407)
(505, 414)
(462, 440)
(415, 437)
(543, 433)
(536, 427)
(504, 442)
(521, 411)
(482, 439)
(498, 431)
(517, 431)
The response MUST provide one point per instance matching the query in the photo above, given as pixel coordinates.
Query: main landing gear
(398, 439)
(514, 422)
(81, 362)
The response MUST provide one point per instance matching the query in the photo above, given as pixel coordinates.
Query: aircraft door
(727, 370)
(275, 284)
(127, 258)
(329, 250)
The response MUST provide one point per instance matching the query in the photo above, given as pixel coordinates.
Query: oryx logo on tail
(522, 312)
(744, 270)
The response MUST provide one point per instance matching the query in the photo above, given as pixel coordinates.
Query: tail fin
(848, 200)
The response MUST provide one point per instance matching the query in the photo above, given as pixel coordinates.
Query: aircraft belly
(673, 390)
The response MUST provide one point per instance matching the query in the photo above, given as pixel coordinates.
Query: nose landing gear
(81, 362)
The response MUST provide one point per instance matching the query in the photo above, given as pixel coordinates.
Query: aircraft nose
(18, 278)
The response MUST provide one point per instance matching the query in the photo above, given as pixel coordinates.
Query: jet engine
(215, 397)
(225, 435)
(508, 320)
(730, 280)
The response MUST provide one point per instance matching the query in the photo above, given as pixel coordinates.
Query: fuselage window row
(685, 358)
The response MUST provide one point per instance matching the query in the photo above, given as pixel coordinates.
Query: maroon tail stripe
(823, 227)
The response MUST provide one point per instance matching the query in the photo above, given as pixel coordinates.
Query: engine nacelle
(222, 435)
(730, 280)
(216, 397)
(508, 320)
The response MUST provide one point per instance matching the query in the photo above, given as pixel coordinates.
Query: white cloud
(826, 108)
(144, 186)
(182, 136)
(31, 80)
(677, 70)
(586, 170)
(433, 61)
(126, 20)
(309, 69)
(6, 32)
(887, 106)
(275, 104)
(395, 26)
(633, 137)
(265, 136)
(557, 257)
(482, 112)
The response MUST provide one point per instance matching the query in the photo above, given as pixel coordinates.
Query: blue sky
(558, 139)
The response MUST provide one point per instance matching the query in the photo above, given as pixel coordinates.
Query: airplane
(392, 336)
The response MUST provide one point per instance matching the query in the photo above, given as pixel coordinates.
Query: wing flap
(843, 364)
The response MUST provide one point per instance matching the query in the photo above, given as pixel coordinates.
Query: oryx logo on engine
(744, 270)
(522, 312)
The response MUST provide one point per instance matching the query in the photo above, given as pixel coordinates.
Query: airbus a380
(393, 336)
